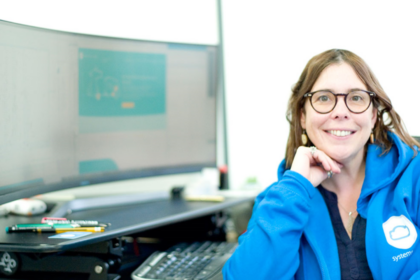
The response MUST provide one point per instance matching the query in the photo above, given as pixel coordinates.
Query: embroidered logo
(400, 232)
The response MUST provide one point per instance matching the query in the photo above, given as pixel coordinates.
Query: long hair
(387, 118)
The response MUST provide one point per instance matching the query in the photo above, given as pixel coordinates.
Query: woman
(346, 204)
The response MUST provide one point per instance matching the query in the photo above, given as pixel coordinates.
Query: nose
(340, 111)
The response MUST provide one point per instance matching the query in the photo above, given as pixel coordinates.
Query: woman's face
(325, 130)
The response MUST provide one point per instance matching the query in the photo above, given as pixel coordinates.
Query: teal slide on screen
(98, 165)
(115, 85)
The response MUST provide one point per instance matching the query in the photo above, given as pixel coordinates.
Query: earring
(372, 138)
(304, 138)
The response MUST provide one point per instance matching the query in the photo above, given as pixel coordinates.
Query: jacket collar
(382, 169)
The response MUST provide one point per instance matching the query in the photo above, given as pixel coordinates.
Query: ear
(302, 119)
(374, 116)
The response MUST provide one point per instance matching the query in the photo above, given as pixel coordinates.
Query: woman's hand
(314, 165)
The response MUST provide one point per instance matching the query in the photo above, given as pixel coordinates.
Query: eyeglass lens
(324, 101)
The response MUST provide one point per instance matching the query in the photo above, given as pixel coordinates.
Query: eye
(356, 98)
(323, 98)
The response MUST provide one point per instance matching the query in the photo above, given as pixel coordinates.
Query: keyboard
(186, 261)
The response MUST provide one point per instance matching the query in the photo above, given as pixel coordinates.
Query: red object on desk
(52, 218)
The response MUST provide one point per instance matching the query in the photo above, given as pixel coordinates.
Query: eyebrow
(352, 89)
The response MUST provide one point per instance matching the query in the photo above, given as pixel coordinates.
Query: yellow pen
(61, 230)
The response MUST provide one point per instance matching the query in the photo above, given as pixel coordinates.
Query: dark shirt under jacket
(352, 252)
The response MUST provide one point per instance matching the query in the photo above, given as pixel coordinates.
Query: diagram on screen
(102, 87)
(116, 83)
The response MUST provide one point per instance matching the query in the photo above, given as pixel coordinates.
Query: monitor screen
(79, 109)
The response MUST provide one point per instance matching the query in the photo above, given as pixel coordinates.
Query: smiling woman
(349, 179)
(358, 69)
(339, 132)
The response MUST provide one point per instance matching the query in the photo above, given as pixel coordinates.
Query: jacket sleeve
(416, 276)
(269, 249)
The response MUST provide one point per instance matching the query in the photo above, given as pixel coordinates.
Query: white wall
(268, 43)
(187, 21)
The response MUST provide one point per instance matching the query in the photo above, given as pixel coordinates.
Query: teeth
(340, 133)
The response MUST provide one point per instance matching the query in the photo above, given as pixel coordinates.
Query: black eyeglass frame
(370, 93)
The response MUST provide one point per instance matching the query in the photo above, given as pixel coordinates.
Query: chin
(339, 157)
(342, 155)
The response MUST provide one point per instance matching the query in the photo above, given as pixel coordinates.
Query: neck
(348, 184)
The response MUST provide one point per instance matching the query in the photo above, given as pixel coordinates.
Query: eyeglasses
(357, 101)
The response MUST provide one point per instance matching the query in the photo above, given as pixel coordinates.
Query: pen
(53, 218)
(81, 223)
(55, 230)
(46, 225)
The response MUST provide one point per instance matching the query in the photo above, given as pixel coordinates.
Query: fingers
(314, 164)
(319, 157)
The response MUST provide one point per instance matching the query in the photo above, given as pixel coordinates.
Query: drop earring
(304, 138)
(372, 138)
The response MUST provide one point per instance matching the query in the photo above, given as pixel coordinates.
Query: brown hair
(382, 102)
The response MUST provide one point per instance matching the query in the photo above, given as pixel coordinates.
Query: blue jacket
(290, 235)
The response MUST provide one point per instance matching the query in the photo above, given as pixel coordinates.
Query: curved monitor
(78, 110)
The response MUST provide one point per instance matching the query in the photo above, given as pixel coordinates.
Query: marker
(82, 223)
(53, 218)
(46, 225)
(55, 230)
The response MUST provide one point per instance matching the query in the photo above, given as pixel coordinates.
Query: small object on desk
(211, 198)
(45, 219)
(26, 206)
(82, 223)
(69, 235)
(55, 230)
(46, 226)
(177, 192)
(224, 181)
(4, 210)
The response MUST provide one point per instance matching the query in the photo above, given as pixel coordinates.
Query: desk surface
(125, 220)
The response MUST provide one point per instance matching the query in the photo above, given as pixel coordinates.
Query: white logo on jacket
(400, 232)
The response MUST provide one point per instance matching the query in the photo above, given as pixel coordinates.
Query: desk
(125, 220)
